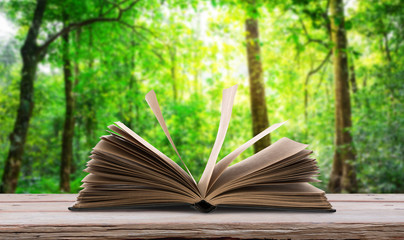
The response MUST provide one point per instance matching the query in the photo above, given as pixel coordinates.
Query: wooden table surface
(45, 216)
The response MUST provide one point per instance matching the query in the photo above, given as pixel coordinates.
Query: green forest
(333, 68)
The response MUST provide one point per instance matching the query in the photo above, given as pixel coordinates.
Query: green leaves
(348, 25)
(197, 48)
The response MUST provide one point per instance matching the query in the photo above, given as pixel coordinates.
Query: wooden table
(45, 216)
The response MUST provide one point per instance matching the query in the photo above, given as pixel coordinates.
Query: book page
(93, 198)
(226, 109)
(296, 168)
(151, 99)
(292, 195)
(174, 170)
(226, 161)
(106, 152)
(158, 153)
(278, 151)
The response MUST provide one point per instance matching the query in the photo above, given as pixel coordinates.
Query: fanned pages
(125, 171)
(151, 99)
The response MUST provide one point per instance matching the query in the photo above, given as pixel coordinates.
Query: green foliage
(188, 51)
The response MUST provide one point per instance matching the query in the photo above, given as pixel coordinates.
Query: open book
(127, 171)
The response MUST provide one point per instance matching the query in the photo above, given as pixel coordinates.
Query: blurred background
(333, 68)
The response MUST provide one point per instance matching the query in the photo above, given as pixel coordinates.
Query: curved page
(151, 99)
(278, 151)
(226, 161)
(227, 105)
(156, 151)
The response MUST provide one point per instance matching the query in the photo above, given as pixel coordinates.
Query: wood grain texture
(378, 216)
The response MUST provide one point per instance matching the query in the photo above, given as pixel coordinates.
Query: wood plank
(46, 217)
(191, 216)
(72, 197)
(365, 197)
(256, 231)
(62, 206)
(37, 197)
(319, 231)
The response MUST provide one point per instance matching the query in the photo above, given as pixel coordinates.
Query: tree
(316, 15)
(32, 53)
(256, 79)
(30, 56)
(68, 128)
(343, 177)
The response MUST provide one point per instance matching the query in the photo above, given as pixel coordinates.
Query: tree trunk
(68, 129)
(133, 88)
(256, 81)
(386, 47)
(88, 101)
(306, 90)
(173, 56)
(352, 77)
(77, 144)
(343, 177)
(30, 58)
